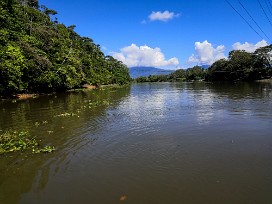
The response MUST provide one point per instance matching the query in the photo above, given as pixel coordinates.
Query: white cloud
(162, 16)
(144, 56)
(206, 53)
(248, 47)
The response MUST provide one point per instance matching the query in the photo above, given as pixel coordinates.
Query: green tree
(11, 69)
(263, 62)
(195, 73)
(178, 75)
(242, 65)
(41, 55)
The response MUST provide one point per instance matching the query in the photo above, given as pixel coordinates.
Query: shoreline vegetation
(25, 96)
(39, 55)
(240, 66)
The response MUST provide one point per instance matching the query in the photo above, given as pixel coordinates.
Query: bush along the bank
(39, 54)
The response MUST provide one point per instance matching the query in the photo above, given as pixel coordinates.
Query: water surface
(152, 143)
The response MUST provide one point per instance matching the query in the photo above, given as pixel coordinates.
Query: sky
(169, 34)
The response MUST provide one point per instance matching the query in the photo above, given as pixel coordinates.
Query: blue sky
(167, 33)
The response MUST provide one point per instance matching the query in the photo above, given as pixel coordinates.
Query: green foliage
(178, 75)
(195, 73)
(41, 55)
(46, 149)
(263, 61)
(12, 141)
(242, 65)
(153, 78)
(66, 115)
(12, 66)
(142, 79)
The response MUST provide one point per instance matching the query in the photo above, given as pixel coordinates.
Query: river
(150, 143)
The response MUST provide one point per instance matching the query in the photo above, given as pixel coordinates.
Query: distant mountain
(205, 66)
(136, 72)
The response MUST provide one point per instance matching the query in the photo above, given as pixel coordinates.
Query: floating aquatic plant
(45, 122)
(12, 141)
(99, 103)
(66, 115)
(46, 149)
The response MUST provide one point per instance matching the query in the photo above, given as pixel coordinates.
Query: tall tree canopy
(38, 54)
(242, 65)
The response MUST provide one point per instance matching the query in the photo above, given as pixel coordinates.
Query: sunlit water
(160, 143)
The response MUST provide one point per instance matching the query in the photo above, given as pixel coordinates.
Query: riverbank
(87, 87)
(265, 80)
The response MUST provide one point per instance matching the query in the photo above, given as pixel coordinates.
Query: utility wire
(270, 3)
(269, 9)
(264, 12)
(254, 20)
(244, 19)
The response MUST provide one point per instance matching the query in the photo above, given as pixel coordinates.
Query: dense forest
(39, 54)
(240, 65)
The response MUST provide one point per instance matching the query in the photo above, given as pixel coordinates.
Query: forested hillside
(39, 54)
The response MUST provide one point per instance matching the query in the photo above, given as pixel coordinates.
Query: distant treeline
(39, 54)
(195, 73)
(240, 65)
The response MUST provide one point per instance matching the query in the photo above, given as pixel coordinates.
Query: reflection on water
(21, 173)
(153, 143)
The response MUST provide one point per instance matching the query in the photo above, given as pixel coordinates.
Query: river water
(151, 143)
